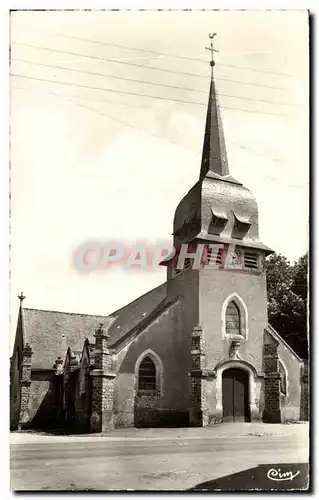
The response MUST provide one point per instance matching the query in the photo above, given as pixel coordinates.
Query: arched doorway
(235, 395)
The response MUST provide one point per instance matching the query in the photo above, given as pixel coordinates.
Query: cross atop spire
(211, 48)
(21, 297)
(214, 157)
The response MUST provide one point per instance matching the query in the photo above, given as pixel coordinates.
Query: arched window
(147, 375)
(233, 319)
(283, 379)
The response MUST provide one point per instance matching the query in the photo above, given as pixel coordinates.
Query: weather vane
(211, 48)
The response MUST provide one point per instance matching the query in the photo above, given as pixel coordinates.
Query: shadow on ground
(263, 477)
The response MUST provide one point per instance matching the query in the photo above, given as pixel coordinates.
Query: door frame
(254, 386)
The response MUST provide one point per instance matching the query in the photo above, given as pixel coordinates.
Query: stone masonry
(24, 414)
(272, 410)
(103, 384)
(196, 374)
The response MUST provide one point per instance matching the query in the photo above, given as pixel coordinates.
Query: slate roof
(50, 333)
(130, 316)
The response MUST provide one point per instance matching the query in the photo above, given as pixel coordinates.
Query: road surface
(161, 459)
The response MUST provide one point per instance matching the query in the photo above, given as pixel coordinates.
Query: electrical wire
(175, 56)
(141, 95)
(103, 75)
(241, 82)
(115, 61)
(73, 98)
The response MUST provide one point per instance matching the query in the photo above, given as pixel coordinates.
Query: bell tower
(219, 271)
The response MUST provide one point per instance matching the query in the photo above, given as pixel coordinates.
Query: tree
(287, 288)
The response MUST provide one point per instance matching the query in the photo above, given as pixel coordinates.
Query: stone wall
(272, 407)
(15, 375)
(25, 387)
(41, 403)
(15, 389)
(102, 384)
(170, 404)
(290, 402)
(83, 400)
(248, 289)
(216, 286)
(197, 382)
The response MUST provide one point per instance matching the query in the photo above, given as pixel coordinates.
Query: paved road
(167, 459)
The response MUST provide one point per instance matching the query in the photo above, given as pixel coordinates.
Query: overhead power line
(139, 94)
(156, 135)
(73, 98)
(108, 90)
(115, 61)
(125, 104)
(99, 58)
(103, 75)
(89, 99)
(175, 56)
(124, 123)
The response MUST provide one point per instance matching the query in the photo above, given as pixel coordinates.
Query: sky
(91, 164)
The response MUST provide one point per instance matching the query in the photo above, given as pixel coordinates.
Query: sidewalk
(230, 430)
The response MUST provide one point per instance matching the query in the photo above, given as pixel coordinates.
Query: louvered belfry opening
(251, 260)
(233, 319)
(147, 375)
(215, 256)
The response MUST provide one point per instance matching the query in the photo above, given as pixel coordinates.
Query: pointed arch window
(147, 375)
(233, 319)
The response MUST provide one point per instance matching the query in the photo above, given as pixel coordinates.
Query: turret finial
(21, 297)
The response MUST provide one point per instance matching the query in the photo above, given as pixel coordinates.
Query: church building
(195, 351)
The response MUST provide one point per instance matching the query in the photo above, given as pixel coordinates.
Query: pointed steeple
(218, 208)
(214, 158)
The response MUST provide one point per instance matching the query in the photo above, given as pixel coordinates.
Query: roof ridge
(90, 314)
(137, 299)
(64, 312)
(147, 321)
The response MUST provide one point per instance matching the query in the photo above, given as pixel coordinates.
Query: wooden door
(235, 395)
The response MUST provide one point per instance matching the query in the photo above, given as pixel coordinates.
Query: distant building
(196, 350)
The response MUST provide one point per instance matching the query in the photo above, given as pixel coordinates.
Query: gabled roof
(162, 307)
(50, 333)
(130, 316)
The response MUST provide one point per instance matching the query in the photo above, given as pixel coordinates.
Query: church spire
(214, 158)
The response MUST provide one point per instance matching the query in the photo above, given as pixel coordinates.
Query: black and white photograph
(159, 241)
